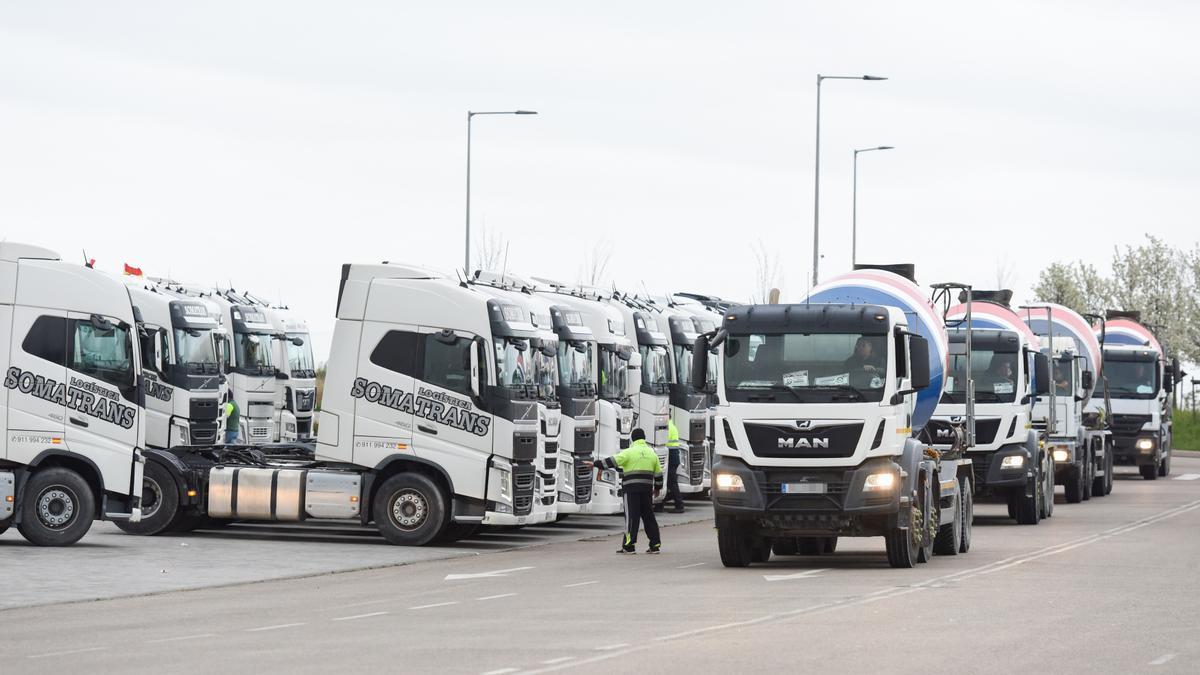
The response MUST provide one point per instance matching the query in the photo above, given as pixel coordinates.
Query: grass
(1186, 430)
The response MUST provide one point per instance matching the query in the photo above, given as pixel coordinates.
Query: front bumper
(1126, 450)
(990, 472)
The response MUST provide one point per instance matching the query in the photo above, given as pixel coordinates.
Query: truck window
(447, 365)
(47, 339)
(105, 354)
(147, 341)
(397, 352)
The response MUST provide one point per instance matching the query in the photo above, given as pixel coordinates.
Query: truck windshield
(300, 357)
(805, 367)
(683, 364)
(656, 371)
(195, 349)
(514, 363)
(1064, 368)
(253, 352)
(575, 366)
(545, 370)
(612, 374)
(1131, 379)
(995, 375)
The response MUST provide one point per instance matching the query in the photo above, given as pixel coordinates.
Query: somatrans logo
(86, 397)
(429, 404)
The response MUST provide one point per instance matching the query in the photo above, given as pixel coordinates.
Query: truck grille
(260, 433)
(985, 430)
(583, 479)
(777, 440)
(696, 464)
(202, 433)
(523, 482)
(979, 467)
(835, 493)
(1128, 425)
(304, 428)
(305, 400)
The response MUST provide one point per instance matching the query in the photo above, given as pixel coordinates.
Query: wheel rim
(56, 507)
(151, 497)
(410, 509)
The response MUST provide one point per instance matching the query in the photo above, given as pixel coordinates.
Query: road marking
(65, 653)
(359, 616)
(436, 604)
(684, 567)
(582, 583)
(561, 659)
(495, 597)
(277, 627)
(608, 648)
(181, 637)
(501, 671)
(1162, 659)
(1187, 476)
(799, 575)
(485, 575)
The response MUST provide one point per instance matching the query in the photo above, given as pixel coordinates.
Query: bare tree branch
(595, 263)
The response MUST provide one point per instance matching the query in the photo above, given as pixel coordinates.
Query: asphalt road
(1105, 586)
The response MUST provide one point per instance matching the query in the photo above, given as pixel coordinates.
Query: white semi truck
(577, 397)
(819, 406)
(689, 406)
(73, 397)
(296, 375)
(418, 434)
(652, 396)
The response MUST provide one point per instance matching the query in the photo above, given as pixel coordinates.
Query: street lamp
(470, 114)
(817, 173)
(854, 211)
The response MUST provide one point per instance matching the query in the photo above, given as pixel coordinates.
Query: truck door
(383, 391)
(450, 429)
(159, 393)
(103, 414)
(36, 382)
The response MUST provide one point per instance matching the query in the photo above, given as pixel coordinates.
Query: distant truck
(1140, 381)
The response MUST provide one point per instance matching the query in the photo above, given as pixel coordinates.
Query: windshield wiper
(776, 386)
(844, 388)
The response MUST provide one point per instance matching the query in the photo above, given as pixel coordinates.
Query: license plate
(803, 488)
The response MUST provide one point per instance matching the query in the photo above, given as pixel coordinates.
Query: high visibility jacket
(639, 465)
(672, 434)
(233, 416)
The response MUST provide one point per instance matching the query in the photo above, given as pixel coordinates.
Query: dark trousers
(639, 507)
(673, 461)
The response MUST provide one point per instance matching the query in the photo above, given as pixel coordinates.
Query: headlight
(1012, 462)
(1145, 444)
(1061, 455)
(502, 508)
(608, 476)
(879, 482)
(729, 482)
(504, 484)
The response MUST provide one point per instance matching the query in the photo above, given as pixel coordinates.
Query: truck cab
(73, 398)
(1139, 381)
(296, 372)
(577, 389)
(1059, 417)
(689, 406)
(251, 364)
(652, 397)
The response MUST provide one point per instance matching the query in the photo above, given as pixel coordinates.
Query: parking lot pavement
(108, 563)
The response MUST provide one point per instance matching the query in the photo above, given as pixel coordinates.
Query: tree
(595, 263)
(1076, 285)
(1153, 279)
(490, 249)
(766, 273)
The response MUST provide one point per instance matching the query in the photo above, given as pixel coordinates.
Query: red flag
(133, 271)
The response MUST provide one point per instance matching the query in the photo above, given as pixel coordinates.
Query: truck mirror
(1041, 374)
(918, 364)
(299, 342)
(1086, 379)
(477, 359)
(699, 374)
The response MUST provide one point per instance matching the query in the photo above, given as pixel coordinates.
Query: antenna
(504, 266)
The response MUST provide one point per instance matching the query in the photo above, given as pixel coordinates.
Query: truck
(689, 406)
(1140, 381)
(1078, 442)
(419, 431)
(1009, 462)
(295, 374)
(73, 399)
(819, 407)
(652, 395)
(618, 375)
(577, 399)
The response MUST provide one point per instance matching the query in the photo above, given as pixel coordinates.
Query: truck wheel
(829, 545)
(410, 509)
(1149, 471)
(160, 502)
(968, 509)
(58, 508)
(786, 546)
(949, 536)
(1012, 504)
(1048, 490)
(1108, 472)
(733, 543)
(1089, 469)
(902, 544)
(931, 519)
(4, 525)
(1164, 469)
(1098, 483)
(1029, 509)
(1074, 485)
(761, 552)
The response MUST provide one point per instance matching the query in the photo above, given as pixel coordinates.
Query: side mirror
(918, 364)
(299, 342)
(1041, 374)
(699, 374)
(476, 360)
(158, 354)
(1087, 379)
(280, 375)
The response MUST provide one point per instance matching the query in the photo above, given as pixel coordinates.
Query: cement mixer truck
(1140, 380)
(818, 408)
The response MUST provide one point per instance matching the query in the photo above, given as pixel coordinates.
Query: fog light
(1145, 444)
(503, 508)
(729, 482)
(1061, 455)
(1012, 462)
(879, 482)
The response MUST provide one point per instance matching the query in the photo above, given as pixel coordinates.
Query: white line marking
(436, 604)
(561, 659)
(181, 637)
(684, 567)
(582, 583)
(607, 648)
(1162, 659)
(69, 651)
(359, 616)
(1187, 476)
(798, 575)
(501, 671)
(484, 575)
(495, 597)
(277, 627)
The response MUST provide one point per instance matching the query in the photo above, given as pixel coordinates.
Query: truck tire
(786, 546)
(1108, 472)
(931, 515)
(733, 543)
(949, 536)
(901, 545)
(160, 502)
(1073, 485)
(969, 517)
(1029, 509)
(761, 551)
(1089, 469)
(1012, 504)
(1099, 482)
(58, 508)
(1048, 491)
(830, 545)
(1149, 471)
(1164, 468)
(4, 525)
(409, 509)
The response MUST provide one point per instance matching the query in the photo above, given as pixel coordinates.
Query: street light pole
(854, 209)
(467, 243)
(817, 171)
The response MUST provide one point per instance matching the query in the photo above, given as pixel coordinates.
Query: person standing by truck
(675, 448)
(641, 481)
(233, 420)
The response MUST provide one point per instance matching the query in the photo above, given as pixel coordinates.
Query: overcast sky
(267, 143)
